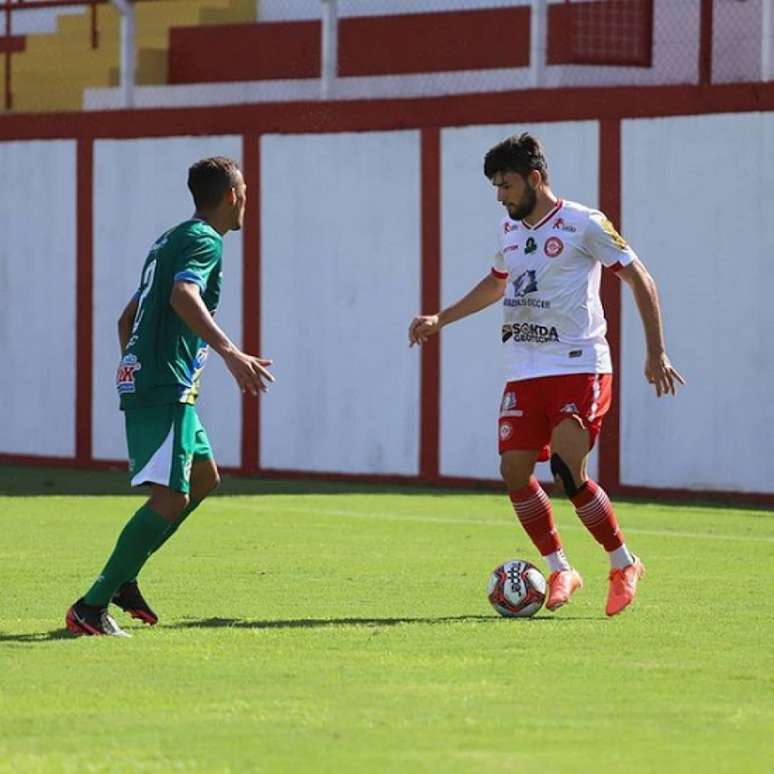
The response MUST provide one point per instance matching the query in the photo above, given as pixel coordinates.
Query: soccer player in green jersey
(165, 333)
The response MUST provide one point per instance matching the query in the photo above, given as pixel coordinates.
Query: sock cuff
(151, 518)
(586, 493)
(525, 493)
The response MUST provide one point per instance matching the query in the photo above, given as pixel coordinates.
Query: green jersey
(164, 358)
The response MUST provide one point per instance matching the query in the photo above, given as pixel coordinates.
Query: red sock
(596, 512)
(533, 509)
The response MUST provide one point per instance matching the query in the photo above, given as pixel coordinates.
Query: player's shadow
(36, 637)
(318, 623)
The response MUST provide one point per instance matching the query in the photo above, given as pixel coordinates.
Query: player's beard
(525, 205)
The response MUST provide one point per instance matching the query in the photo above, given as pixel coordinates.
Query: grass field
(329, 628)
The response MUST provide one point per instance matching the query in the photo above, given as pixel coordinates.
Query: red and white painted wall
(361, 214)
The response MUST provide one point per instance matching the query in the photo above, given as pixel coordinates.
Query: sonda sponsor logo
(530, 332)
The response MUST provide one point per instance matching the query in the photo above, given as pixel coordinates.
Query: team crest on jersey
(618, 240)
(127, 368)
(553, 247)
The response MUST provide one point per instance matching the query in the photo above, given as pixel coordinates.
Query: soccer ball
(517, 589)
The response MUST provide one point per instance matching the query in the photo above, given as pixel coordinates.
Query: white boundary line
(337, 513)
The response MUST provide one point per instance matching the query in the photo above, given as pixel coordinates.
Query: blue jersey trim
(189, 276)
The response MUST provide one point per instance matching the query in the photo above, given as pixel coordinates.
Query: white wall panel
(139, 192)
(698, 194)
(340, 283)
(37, 297)
(472, 375)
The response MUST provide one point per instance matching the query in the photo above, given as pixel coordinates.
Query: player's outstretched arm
(486, 293)
(251, 373)
(658, 370)
(125, 322)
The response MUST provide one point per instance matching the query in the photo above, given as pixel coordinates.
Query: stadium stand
(50, 71)
(272, 50)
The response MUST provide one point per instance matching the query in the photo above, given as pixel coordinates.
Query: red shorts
(532, 408)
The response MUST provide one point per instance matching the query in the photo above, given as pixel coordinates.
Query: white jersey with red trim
(553, 321)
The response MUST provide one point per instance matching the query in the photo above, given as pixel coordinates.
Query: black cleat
(87, 619)
(131, 601)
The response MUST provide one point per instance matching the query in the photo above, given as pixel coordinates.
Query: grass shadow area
(319, 623)
(32, 481)
(37, 637)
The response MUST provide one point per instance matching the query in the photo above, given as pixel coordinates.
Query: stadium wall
(359, 215)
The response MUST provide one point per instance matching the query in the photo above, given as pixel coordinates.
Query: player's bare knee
(213, 483)
(178, 502)
(170, 503)
(513, 475)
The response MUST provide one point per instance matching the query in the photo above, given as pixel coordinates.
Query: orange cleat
(562, 584)
(623, 586)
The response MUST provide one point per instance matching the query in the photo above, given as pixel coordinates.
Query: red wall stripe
(540, 105)
(266, 51)
(434, 42)
(430, 290)
(428, 42)
(251, 290)
(610, 204)
(84, 295)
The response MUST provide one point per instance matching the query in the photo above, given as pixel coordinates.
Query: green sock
(135, 543)
(175, 525)
(171, 529)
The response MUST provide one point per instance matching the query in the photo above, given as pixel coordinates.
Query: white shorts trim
(158, 469)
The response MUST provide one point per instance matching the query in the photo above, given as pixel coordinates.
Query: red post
(430, 291)
(94, 28)
(610, 203)
(84, 296)
(8, 31)
(251, 296)
(705, 42)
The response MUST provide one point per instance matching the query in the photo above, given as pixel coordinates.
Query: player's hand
(251, 373)
(422, 328)
(660, 373)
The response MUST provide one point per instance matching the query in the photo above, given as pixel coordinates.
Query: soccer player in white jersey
(547, 273)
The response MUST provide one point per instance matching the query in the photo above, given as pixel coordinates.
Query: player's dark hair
(520, 153)
(210, 179)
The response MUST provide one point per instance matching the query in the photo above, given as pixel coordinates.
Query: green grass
(346, 628)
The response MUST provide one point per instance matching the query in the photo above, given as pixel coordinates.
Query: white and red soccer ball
(517, 589)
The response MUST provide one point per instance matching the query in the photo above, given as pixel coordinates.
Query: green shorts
(163, 443)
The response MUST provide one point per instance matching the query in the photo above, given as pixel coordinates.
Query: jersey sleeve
(200, 259)
(605, 244)
(499, 269)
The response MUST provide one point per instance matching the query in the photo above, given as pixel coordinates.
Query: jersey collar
(545, 218)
